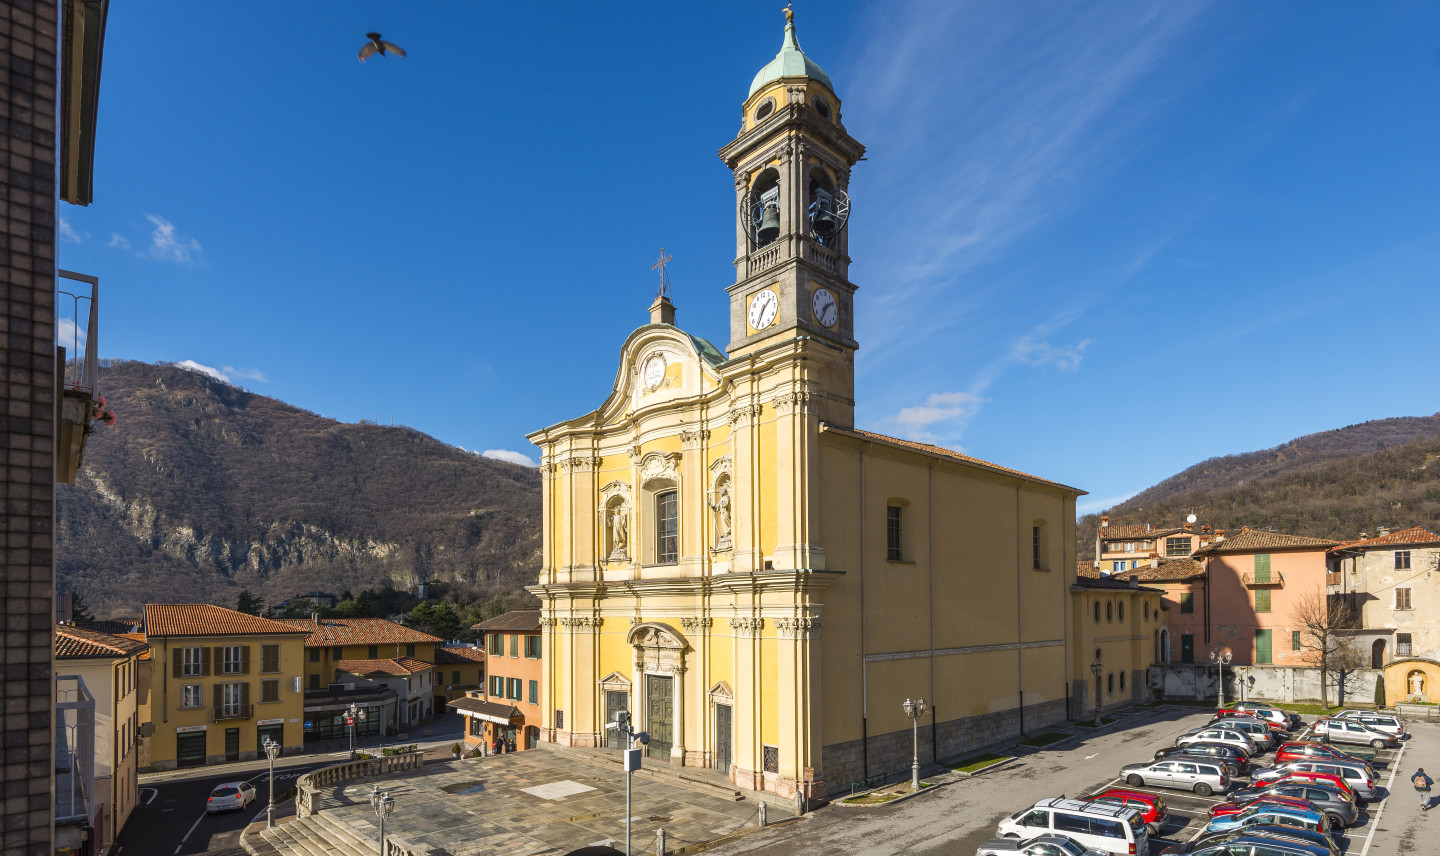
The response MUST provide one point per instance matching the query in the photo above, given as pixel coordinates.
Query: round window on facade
(822, 106)
(1110, 612)
(765, 109)
(1097, 615)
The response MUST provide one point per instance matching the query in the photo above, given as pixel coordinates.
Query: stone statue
(721, 506)
(619, 532)
(1417, 683)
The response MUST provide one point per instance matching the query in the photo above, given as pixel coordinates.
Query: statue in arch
(721, 506)
(1417, 683)
(619, 533)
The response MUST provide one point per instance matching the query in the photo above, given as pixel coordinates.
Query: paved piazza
(530, 803)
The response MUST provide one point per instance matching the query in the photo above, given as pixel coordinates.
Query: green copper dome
(790, 62)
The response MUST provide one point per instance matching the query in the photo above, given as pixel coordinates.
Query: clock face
(654, 371)
(824, 306)
(763, 307)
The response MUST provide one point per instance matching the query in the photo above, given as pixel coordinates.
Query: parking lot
(962, 813)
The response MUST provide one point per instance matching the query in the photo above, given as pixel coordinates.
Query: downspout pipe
(1019, 609)
(864, 674)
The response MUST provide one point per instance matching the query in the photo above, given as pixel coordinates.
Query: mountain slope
(1333, 484)
(203, 488)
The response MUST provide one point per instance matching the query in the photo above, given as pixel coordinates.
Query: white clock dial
(763, 307)
(654, 371)
(824, 306)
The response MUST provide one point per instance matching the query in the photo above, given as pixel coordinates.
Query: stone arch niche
(721, 499)
(616, 522)
(660, 661)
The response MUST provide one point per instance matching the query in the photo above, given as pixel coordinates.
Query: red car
(1335, 782)
(1151, 807)
(1225, 808)
(1228, 713)
(1305, 749)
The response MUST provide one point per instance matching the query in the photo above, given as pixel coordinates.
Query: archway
(1377, 654)
(1163, 654)
(660, 681)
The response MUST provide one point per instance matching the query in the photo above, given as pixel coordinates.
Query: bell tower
(791, 163)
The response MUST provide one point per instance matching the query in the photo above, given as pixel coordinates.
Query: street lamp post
(1221, 660)
(384, 806)
(272, 749)
(353, 711)
(915, 710)
(1095, 669)
(629, 737)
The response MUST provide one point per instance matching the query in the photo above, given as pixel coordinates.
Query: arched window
(1110, 683)
(1147, 610)
(1120, 613)
(764, 110)
(1097, 655)
(1122, 682)
(1097, 617)
(667, 527)
(1109, 611)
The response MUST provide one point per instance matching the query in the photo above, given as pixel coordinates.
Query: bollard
(660, 842)
(762, 813)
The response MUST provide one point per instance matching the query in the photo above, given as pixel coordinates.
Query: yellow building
(221, 682)
(1116, 623)
(758, 582)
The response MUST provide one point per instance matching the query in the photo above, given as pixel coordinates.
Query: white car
(1227, 736)
(1351, 731)
(1382, 722)
(230, 796)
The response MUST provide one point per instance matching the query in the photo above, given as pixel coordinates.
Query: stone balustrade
(308, 786)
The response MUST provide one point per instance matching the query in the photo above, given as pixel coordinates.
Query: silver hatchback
(1357, 774)
(1202, 777)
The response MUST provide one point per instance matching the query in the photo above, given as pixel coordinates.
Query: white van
(1114, 829)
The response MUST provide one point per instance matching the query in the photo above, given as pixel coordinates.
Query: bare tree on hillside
(1323, 621)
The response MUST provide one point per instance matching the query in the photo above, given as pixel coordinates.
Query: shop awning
(501, 714)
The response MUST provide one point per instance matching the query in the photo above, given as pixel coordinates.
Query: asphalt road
(957, 817)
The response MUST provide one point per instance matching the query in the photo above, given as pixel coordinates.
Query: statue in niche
(1417, 684)
(619, 533)
(721, 507)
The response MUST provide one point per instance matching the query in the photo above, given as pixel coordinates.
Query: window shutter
(219, 696)
(1262, 567)
(204, 661)
(179, 662)
(244, 659)
(244, 696)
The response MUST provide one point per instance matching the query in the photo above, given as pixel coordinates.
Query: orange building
(509, 703)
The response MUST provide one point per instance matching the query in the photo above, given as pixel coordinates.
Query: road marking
(1088, 757)
(1375, 821)
(192, 829)
(154, 792)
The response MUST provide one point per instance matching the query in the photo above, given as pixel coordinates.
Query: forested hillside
(203, 489)
(1334, 484)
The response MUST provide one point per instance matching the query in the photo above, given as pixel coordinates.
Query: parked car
(1040, 845)
(1150, 806)
(1259, 840)
(1311, 749)
(1224, 808)
(231, 795)
(1202, 777)
(1119, 831)
(1264, 736)
(1236, 762)
(1341, 811)
(1265, 710)
(1227, 736)
(1268, 814)
(1382, 722)
(1351, 731)
(1230, 713)
(1289, 774)
(1357, 774)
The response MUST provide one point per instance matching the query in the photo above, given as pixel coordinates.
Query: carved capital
(747, 627)
(584, 622)
(741, 415)
(803, 627)
(693, 439)
(548, 621)
(798, 401)
(693, 624)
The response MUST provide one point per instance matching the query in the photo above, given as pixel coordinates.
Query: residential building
(508, 707)
(1181, 583)
(1391, 582)
(458, 670)
(1253, 584)
(48, 401)
(373, 664)
(758, 582)
(1117, 624)
(109, 667)
(1123, 547)
(223, 682)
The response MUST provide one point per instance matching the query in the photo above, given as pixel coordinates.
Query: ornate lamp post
(272, 749)
(915, 710)
(1221, 660)
(353, 712)
(1095, 669)
(384, 806)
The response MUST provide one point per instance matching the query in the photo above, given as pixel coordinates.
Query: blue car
(1267, 814)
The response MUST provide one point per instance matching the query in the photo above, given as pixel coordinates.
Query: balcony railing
(1265, 580)
(1332, 578)
(74, 750)
(762, 258)
(234, 711)
(77, 330)
(827, 259)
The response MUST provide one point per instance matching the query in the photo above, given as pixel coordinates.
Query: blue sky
(1095, 241)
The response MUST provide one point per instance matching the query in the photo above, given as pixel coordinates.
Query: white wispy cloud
(118, 241)
(938, 407)
(167, 244)
(228, 374)
(68, 232)
(507, 455)
(1032, 353)
(68, 335)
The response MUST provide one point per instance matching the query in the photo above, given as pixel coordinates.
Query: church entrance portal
(659, 708)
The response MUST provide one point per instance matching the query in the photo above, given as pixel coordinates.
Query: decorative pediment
(612, 490)
(654, 634)
(660, 466)
(722, 693)
(615, 682)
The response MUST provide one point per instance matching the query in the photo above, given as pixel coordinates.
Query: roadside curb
(998, 765)
(934, 786)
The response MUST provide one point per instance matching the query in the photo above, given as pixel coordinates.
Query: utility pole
(632, 759)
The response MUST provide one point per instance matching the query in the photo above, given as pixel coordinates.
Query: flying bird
(380, 46)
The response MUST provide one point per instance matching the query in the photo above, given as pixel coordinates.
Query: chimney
(1154, 560)
(1104, 520)
(315, 617)
(1147, 528)
(662, 311)
(1219, 535)
(1134, 581)
(1244, 529)
(1382, 531)
(1189, 527)
(1363, 536)
(1205, 529)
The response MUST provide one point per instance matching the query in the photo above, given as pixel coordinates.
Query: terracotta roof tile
(203, 619)
(113, 626)
(1131, 531)
(1253, 541)
(942, 452)
(1170, 570)
(145, 655)
(394, 666)
(1413, 536)
(77, 643)
(357, 631)
(515, 619)
(1112, 583)
(458, 656)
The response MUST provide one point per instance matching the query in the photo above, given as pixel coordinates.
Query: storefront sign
(280, 721)
(185, 729)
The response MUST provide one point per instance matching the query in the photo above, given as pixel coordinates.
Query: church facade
(758, 582)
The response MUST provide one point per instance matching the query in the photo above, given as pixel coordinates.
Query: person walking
(1422, 787)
